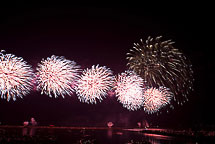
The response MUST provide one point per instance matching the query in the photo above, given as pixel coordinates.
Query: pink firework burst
(94, 84)
(155, 99)
(16, 76)
(129, 90)
(57, 75)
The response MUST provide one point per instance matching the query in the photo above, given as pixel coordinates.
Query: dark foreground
(101, 135)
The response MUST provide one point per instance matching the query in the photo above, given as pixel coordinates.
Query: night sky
(103, 35)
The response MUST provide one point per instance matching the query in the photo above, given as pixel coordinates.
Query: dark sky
(103, 35)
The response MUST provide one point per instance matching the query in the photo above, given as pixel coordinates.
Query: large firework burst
(16, 76)
(155, 99)
(129, 90)
(160, 64)
(94, 84)
(57, 75)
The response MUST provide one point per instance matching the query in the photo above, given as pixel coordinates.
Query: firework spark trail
(129, 90)
(16, 77)
(94, 84)
(57, 75)
(155, 99)
(160, 64)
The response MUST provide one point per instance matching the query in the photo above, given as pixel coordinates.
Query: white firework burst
(94, 84)
(16, 77)
(129, 90)
(57, 75)
(155, 99)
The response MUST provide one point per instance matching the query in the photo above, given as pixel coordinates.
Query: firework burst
(160, 64)
(129, 90)
(94, 84)
(155, 99)
(57, 75)
(16, 77)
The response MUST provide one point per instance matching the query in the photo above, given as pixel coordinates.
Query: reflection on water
(91, 136)
(157, 139)
(28, 131)
(25, 131)
(32, 131)
(109, 133)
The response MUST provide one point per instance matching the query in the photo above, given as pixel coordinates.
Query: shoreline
(160, 131)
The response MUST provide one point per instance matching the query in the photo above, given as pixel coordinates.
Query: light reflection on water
(29, 131)
(100, 135)
(157, 139)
